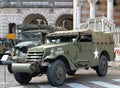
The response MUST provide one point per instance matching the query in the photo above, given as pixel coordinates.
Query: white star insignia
(96, 53)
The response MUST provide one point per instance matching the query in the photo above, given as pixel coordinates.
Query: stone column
(92, 8)
(3, 24)
(110, 10)
(76, 14)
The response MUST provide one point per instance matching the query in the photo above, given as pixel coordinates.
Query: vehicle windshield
(29, 35)
(61, 39)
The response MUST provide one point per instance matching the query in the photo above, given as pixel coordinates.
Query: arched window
(39, 21)
(65, 21)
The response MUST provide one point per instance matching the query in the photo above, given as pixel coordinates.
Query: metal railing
(104, 25)
(36, 3)
(99, 23)
(117, 37)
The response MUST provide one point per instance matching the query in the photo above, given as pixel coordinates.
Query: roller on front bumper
(25, 67)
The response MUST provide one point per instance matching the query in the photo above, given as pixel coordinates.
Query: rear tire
(102, 68)
(22, 78)
(56, 73)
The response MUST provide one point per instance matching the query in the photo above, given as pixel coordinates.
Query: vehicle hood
(47, 46)
(27, 43)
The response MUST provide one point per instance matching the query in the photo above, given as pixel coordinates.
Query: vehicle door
(85, 46)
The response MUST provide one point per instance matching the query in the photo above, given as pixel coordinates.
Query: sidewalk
(114, 64)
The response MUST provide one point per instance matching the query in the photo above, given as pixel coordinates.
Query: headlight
(52, 50)
(12, 52)
(17, 52)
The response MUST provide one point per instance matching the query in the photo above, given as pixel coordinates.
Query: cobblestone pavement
(82, 79)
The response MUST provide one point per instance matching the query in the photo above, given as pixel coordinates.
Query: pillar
(76, 14)
(110, 10)
(92, 8)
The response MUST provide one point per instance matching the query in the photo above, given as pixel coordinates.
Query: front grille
(34, 55)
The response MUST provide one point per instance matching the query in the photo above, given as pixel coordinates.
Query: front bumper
(29, 67)
(25, 67)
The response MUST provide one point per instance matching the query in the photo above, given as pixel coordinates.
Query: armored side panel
(104, 42)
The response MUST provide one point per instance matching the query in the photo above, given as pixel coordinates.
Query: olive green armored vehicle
(28, 36)
(63, 53)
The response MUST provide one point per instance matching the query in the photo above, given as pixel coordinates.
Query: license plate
(4, 57)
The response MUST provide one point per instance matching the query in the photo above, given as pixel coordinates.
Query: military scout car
(28, 36)
(65, 52)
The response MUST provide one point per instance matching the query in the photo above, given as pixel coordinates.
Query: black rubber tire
(0, 59)
(101, 70)
(72, 72)
(22, 78)
(9, 67)
(56, 73)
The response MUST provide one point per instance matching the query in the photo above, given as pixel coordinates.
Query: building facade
(45, 12)
(49, 12)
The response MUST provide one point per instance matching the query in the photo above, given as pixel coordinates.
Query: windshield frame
(61, 39)
(29, 34)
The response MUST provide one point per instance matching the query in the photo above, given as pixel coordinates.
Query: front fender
(19, 58)
(66, 60)
(53, 56)
(7, 52)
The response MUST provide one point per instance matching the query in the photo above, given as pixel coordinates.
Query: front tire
(56, 73)
(102, 68)
(9, 67)
(22, 78)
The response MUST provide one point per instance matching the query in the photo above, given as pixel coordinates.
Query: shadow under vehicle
(27, 36)
(63, 53)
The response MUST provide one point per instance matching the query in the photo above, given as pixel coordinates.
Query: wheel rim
(59, 72)
(103, 65)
